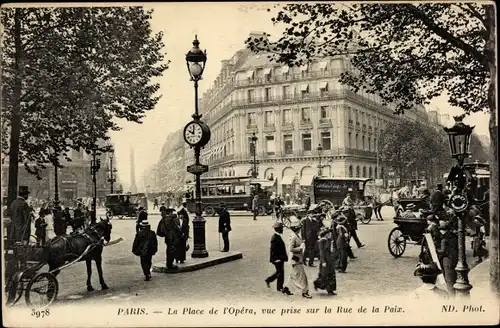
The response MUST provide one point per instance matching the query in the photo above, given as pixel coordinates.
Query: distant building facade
(292, 111)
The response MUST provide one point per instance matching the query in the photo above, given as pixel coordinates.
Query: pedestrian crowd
(311, 239)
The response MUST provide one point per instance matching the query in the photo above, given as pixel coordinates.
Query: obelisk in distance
(133, 186)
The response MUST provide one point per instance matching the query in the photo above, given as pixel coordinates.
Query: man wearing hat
(224, 226)
(447, 252)
(438, 199)
(183, 246)
(145, 246)
(20, 215)
(142, 215)
(342, 242)
(428, 273)
(278, 257)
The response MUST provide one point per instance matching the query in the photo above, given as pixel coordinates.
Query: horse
(63, 249)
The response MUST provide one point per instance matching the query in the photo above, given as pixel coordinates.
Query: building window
(350, 171)
(251, 119)
(363, 142)
(268, 118)
(323, 88)
(364, 171)
(287, 94)
(375, 146)
(376, 176)
(288, 144)
(357, 171)
(357, 141)
(270, 145)
(369, 144)
(287, 116)
(304, 90)
(370, 172)
(306, 142)
(267, 94)
(349, 140)
(324, 112)
(251, 96)
(306, 115)
(326, 141)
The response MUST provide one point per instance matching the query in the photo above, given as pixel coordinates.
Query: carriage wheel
(209, 211)
(363, 218)
(396, 242)
(42, 290)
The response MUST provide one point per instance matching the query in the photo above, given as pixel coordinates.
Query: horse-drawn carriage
(25, 259)
(410, 229)
(124, 205)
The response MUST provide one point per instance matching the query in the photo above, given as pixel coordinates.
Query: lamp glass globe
(195, 69)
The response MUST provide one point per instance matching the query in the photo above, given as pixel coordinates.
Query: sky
(221, 29)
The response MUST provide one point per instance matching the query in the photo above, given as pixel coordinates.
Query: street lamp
(55, 162)
(112, 172)
(95, 165)
(254, 153)
(459, 138)
(197, 135)
(320, 167)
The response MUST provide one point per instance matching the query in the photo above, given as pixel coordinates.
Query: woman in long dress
(342, 242)
(298, 276)
(326, 276)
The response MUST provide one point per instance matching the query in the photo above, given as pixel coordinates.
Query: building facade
(292, 111)
(74, 179)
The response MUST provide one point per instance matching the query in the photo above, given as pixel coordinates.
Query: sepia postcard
(212, 164)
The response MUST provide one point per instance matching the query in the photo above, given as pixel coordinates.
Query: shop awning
(322, 65)
(323, 85)
(304, 87)
(287, 180)
(306, 180)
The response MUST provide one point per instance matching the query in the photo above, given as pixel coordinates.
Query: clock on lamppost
(196, 133)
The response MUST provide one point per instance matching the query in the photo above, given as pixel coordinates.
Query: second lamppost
(95, 165)
(459, 138)
(320, 167)
(253, 151)
(112, 173)
(197, 135)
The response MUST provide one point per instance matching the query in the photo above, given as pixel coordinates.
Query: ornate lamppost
(95, 165)
(459, 139)
(253, 151)
(320, 167)
(112, 172)
(197, 135)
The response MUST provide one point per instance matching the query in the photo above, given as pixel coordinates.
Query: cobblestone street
(374, 273)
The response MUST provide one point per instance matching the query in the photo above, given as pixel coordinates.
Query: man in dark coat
(182, 246)
(438, 199)
(145, 246)
(58, 221)
(141, 216)
(20, 215)
(224, 226)
(309, 233)
(352, 223)
(173, 232)
(67, 219)
(278, 257)
(41, 230)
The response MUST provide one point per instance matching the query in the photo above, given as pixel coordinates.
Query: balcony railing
(359, 152)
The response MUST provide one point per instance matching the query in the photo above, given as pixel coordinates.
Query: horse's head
(105, 226)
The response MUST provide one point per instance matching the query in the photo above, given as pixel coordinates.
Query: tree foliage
(406, 53)
(407, 147)
(74, 73)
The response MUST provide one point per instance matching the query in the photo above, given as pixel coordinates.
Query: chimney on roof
(256, 34)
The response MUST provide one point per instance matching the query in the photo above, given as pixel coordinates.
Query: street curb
(199, 264)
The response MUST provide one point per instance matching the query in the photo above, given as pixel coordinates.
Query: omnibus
(236, 193)
(336, 189)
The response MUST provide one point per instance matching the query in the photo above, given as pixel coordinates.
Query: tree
(407, 54)
(409, 146)
(69, 74)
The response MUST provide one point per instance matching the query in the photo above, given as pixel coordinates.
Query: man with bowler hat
(278, 257)
(20, 215)
(145, 246)
(224, 226)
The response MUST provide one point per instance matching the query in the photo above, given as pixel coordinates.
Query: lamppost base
(199, 247)
(462, 289)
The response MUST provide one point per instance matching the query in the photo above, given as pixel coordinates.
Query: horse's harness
(84, 234)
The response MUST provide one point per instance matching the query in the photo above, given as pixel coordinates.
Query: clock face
(193, 133)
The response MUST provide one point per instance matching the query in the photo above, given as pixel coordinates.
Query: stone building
(292, 111)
